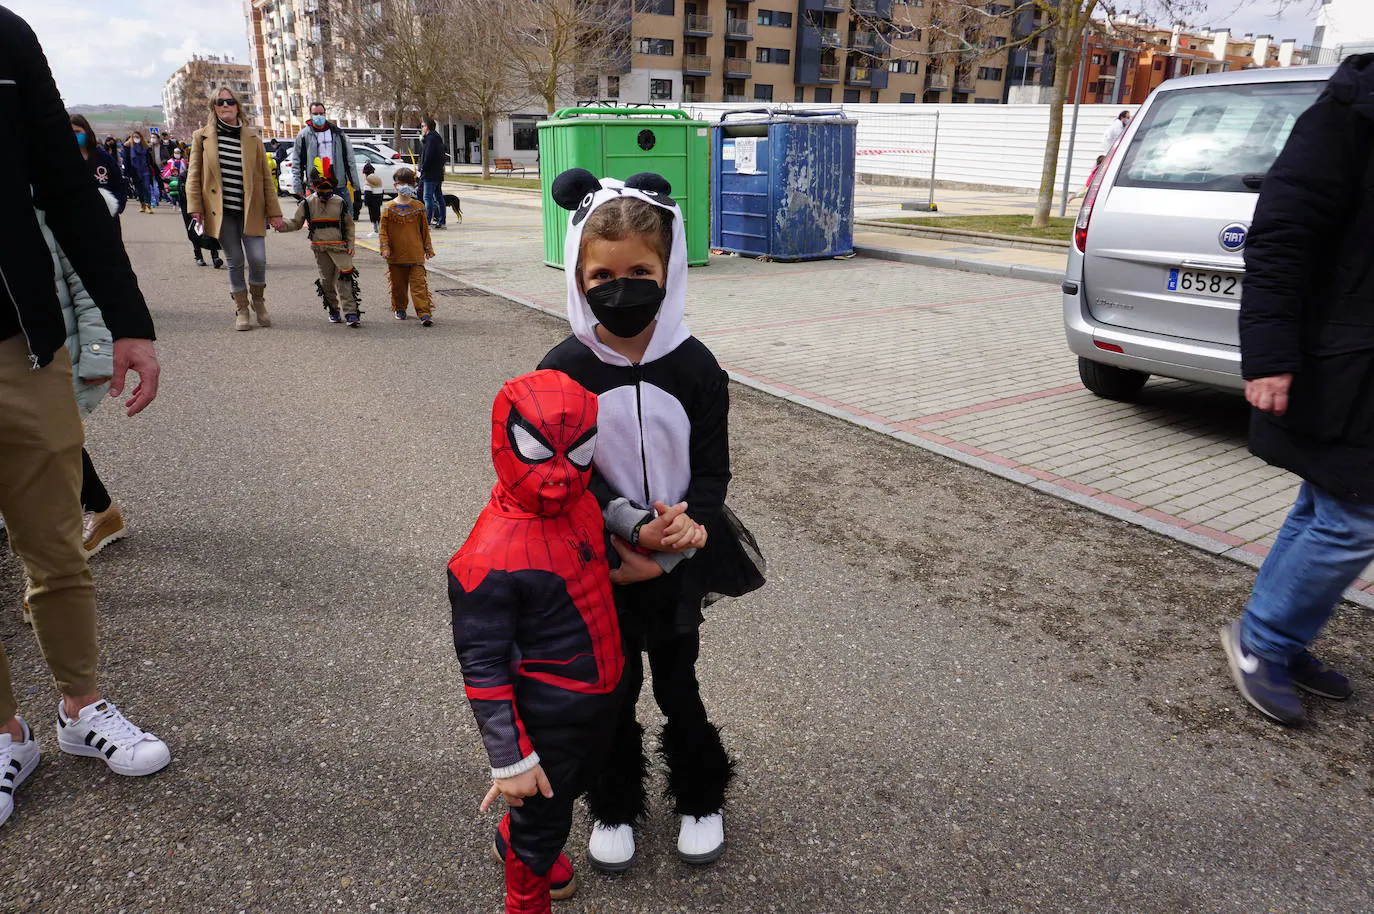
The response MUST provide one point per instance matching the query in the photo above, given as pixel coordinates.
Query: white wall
(1346, 22)
(995, 145)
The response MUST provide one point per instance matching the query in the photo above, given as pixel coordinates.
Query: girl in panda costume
(660, 473)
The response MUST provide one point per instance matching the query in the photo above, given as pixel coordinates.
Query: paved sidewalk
(968, 365)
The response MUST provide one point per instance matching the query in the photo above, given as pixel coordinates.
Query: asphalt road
(955, 694)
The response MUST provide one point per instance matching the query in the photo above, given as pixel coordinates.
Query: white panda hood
(582, 192)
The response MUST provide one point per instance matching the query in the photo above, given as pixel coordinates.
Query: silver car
(1156, 266)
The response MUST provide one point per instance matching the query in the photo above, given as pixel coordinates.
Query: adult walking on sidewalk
(102, 166)
(433, 161)
(40, 427)
(229, 192)
(321, 146)
(138, 165)
(1307, 354)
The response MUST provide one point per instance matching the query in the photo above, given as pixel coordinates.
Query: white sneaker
(701, 840)
(372, 234)
(100, 731)
(612, 847)
(17, 761)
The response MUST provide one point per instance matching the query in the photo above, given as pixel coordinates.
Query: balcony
(865, 41)
(833, 6)
(829, 73)
(859, 76)
(736, 98)
(696, 64)
(830, 38)
(865, 7)
(697, 98)
(739, 29)
(937, 82)
(697, 26)
(738, 67)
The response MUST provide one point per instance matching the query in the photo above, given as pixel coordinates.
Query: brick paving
(969, 365)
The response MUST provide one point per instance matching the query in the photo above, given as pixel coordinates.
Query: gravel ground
(955, 694)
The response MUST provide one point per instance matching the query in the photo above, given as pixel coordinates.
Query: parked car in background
(1156, 267)
(384, 165)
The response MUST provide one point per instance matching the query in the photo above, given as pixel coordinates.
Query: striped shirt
(230, 165)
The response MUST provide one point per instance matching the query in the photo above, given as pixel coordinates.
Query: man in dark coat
(1307, 354)
(433, 159)
(40, 428)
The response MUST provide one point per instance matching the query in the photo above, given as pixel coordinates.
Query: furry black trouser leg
(699, 768)
(615, 793)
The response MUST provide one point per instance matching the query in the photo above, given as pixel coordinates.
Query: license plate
(1205, 282)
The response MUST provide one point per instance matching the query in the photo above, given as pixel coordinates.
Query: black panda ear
(651, 184)
(572, 186)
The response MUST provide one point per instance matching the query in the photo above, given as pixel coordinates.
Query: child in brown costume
(406, 247)
(331, 239)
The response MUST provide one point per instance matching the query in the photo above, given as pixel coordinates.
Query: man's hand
(634, 566)
(513, 790)
(136, 355)
(1269, 395)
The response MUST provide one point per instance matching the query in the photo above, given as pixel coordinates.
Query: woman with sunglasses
(230, 196)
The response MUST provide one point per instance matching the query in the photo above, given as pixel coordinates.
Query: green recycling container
(617, 143)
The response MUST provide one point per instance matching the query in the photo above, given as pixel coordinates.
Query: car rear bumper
(1215, 364)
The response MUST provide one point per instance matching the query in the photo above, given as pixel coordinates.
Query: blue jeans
(434, 202)
(1321, 549)
(240, 249)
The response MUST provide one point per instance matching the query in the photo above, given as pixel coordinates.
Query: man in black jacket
(40, 429)
(1307, 354)
(433, 159)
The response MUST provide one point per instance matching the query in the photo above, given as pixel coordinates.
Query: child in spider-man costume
(535, 627)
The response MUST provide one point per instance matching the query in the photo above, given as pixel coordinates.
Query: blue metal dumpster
(782, 184)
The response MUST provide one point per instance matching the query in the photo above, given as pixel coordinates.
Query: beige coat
(205, 195)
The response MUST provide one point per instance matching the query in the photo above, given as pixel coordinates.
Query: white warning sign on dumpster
(746, 155)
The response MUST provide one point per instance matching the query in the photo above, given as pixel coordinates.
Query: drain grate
(466, 292)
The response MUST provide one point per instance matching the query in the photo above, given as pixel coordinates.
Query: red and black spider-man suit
(534, 623)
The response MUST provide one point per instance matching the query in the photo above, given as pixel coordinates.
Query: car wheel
(1110, 382)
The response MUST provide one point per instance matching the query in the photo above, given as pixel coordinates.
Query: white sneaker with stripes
(100, 731)
(17, 761)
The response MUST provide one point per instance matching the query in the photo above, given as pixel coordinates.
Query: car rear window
(1213, 137)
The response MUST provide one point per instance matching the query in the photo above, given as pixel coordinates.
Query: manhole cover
(468, 292)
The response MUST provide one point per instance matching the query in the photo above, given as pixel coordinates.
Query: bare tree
(556, 44)
(187, 111)
(487, 82)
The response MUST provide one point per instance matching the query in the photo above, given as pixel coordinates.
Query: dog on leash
(452, 202)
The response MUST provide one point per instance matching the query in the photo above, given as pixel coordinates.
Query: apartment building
(813, 51)
(289, 43)
(186, 92)
(1344, 27)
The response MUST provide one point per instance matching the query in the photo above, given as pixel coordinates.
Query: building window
(873, 96)
(903, 66)
(997, 41)
(661, 90)
(524, 133)
(905, 31)
(993, 73)
(778, 18)
(773, 55)
(659, 47)
(613, 87)
(823, 95)
(763, 92)
(851, 96)
(907, 98)
(799, 95)
(655, 7)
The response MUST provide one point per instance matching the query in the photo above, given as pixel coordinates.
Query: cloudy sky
(121, 52)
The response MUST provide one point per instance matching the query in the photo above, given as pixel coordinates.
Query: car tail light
(1109, 347)
(1085, 215)
(395, 155)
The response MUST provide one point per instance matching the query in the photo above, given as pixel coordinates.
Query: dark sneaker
(353, 320)
(334, 316)
(399, 315)
(426, 320)
(1311, 675)
(1263, 683)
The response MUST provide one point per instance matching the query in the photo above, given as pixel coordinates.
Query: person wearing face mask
(406, 246)
(103, 164)
(661, 470)
(323, 147)
(230, 196)
(138, 165)
(331, 233)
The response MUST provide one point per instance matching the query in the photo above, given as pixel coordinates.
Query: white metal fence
(993, 145)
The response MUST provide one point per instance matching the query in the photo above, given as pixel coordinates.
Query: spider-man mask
(543, 433)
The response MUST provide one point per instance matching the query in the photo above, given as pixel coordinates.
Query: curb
(945, 261)
(994, 239)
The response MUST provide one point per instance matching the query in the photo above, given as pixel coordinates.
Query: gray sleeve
(622, 516)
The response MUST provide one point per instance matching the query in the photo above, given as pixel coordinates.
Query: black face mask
(625, 306)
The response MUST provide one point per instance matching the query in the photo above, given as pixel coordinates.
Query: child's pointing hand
(514, 790)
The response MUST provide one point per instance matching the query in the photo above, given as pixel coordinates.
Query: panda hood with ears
(582, 192)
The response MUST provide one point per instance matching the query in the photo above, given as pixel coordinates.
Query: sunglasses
(225, 102)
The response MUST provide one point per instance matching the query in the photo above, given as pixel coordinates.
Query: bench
(507, 167)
